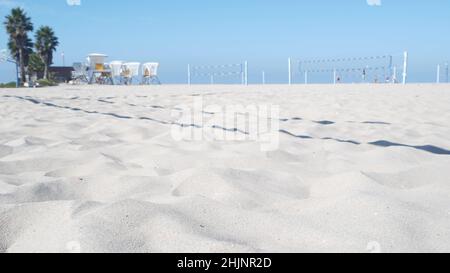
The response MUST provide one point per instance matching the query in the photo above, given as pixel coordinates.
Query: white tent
(116, 71)
(150, 73)
(130, 71)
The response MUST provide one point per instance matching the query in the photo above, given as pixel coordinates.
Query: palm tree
(46, 43)
(18, 24)
(28, 50)
(35, 66)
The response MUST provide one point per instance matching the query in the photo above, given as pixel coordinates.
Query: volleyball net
(388, 68)
(216, 74)
(5, 56)
(442, 73)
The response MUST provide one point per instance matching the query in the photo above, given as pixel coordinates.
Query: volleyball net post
(394, 74)
(405, 66)
(438, 74)
(242, 74)
(289, 71)
(189, 74)
(246, 72)
(334, 76)
(446, 72)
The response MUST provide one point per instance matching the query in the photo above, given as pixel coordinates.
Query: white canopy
(96, 58)
(116, 68)
(150, 69)
(133, 68)
(97, 54)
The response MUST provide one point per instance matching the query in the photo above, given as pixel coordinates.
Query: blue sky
(264, 32)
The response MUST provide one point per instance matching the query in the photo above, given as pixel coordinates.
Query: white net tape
(350, 64)
(217, 70)
(228, 73)
(380, 68)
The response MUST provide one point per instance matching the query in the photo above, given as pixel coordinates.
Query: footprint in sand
(244, 189)
(407, 180)
(5, 151)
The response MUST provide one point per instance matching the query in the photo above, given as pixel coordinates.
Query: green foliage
(46, 44)
(44, 83)
(52, 77)
(18, 25)
(14, 51)
(35, 65)
(8, 85)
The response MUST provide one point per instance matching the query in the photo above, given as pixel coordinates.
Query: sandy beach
(358, 168)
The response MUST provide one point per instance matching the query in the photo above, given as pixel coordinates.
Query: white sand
(75, 175)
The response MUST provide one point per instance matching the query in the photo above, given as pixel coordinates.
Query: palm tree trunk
(46, 71)
(22, 66)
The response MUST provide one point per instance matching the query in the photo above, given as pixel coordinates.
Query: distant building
(61, 73)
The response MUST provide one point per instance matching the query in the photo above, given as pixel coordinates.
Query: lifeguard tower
(99, 71)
